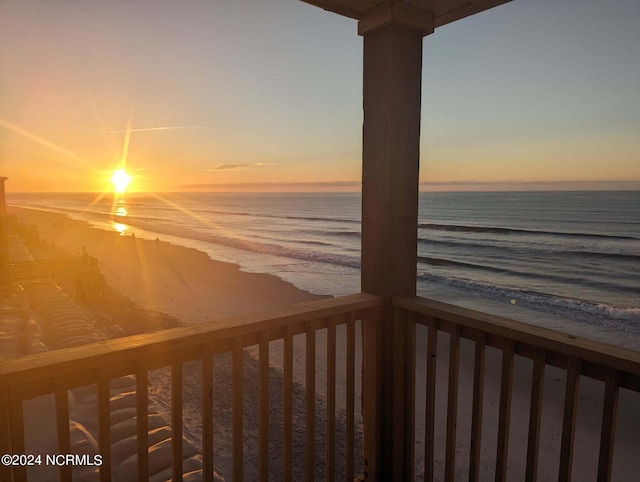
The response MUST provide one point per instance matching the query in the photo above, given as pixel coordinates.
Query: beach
(186, 284)
(181, 282)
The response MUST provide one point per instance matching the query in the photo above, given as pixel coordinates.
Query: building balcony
(461, 365)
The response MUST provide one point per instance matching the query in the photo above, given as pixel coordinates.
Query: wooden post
(4, 236)
(391, 158)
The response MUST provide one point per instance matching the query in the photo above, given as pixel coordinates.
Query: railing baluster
(207, 413)
(142, 418)
(351, 367)
(104, 424)
(176, 421)
(5, 431)
(287, 458)
(398, 394)
(430, 399)
(263, 408)
(535, 415)
(62, 420)
(452, 403)
(504, 416)
(310, 389)
(371, 392)
(569, 419)
(238, 437)
(410, 396)
(17, 435)
(331, 400)
(476, 414)
(609, 413)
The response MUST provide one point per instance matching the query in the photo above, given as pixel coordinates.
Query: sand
(181, 282)
(186, 284)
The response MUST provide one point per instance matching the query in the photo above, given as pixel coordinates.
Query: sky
(267, 95)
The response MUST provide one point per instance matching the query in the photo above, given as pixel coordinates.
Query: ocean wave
(520, 250)
(528, 274)
(310, 242)
(459, 264)
(620, 318)
(272, 249)
(274, 216)
(349, 234)
(501, 230)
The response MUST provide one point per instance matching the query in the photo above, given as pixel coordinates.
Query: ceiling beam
(470, 8)
(335, 7)
(396, 13)
(371, 10)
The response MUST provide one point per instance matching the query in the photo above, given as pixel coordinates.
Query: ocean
(566, 260)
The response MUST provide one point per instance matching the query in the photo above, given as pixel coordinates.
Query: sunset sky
(267, 94)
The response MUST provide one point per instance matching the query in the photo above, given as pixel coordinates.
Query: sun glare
(120, 180)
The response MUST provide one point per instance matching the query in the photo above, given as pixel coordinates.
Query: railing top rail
(571, 345)
(42, 366)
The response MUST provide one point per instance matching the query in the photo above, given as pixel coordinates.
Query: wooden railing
(59, 373)
(455, 342)
(462, 365)
(50, 268)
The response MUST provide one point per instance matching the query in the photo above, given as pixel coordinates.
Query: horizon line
(356, 186)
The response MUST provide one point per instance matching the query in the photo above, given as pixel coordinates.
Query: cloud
(229, 167)
(519, 185)
(340, 186)
(237, 167)
(147, 129)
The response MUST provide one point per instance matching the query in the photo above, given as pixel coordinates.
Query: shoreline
(178, 281)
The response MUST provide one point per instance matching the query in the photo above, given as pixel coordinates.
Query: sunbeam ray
(80, 162)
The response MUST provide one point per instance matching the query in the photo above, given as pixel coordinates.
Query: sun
(120, 180)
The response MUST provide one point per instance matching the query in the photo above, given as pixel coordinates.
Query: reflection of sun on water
(120, 180)
(121, 228)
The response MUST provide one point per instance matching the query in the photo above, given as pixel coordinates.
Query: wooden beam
(391, 159)
(406, 15)
(569, 420)
(351, 380)
(176, 421)
(477, 410)
(444, 17)
(287, 408)
(535, 415)
(310, 393)
(263, 410)
(238, 411)
(609, 414)
(335, 7)
(504, 412)
(430, 399)
(206, 382)
(452, 405)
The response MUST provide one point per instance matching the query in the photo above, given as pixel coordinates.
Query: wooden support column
(391, 151)
(3, 202)
(4, 239)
